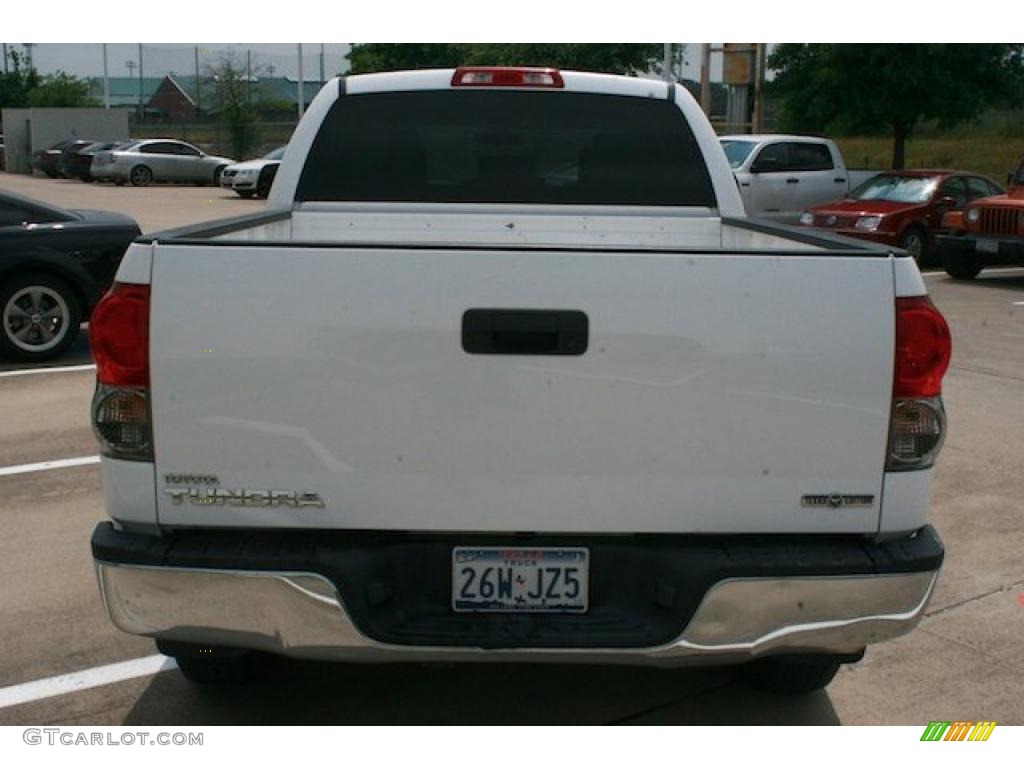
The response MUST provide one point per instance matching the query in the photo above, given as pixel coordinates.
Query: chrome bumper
(302, 615)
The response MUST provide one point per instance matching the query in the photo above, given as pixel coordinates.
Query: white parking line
(56, 369)
(41, 466)
(83, 680)
(1001, 270)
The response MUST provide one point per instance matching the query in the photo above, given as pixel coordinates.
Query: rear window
(506, 147)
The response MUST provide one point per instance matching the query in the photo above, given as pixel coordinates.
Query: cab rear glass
(506, 147)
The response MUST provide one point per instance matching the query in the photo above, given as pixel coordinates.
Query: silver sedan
(145, 162)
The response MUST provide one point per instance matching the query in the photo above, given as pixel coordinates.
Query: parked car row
(138, 162)
(141, 162)
(804, 179)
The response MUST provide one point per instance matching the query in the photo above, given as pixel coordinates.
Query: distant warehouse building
(124, 91)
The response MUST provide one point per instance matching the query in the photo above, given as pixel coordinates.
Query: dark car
(77, 164)
(47, 160)
(55, 265)
(903, 209)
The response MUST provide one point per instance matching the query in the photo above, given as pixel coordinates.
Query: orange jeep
(988, 232)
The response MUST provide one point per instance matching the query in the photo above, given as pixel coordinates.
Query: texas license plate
(509, 580)
(986, 246)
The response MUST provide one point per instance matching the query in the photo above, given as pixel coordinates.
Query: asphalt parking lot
(965, 661)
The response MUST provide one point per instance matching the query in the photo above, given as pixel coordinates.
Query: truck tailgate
(715, 393)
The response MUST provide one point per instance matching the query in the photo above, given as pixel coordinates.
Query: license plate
(987, 246)
(510, 580)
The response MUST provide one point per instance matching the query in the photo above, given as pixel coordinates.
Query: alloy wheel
(35, 318)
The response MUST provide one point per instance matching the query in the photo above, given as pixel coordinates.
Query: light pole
(141, 108)
(302, 100)
(106, 80)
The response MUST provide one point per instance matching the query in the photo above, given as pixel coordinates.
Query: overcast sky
(86, 59)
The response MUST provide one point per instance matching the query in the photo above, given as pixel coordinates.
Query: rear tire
(960, 268)
(212, 664)
(803, 673)
(216, 174)
(141, 176)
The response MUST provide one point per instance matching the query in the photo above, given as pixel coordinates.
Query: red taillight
(119, 336)
(514, 77)
(917, 422)
(923, 348)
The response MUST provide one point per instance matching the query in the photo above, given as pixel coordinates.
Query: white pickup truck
(504, 373)
(781, 176)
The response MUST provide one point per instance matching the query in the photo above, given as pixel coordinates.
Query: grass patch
(990, 156)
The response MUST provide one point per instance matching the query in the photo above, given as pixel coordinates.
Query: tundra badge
(836, 500)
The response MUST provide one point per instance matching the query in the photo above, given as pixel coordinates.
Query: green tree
(16, 84)
(846, 88)
(622, 58)
(233, 99)
(61, 90)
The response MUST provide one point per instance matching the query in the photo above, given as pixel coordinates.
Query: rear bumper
(984, 251)
(751, 599)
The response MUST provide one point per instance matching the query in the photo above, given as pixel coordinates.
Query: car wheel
(915, 242)
(793, 674)
(212, 664)
(40, 315)
(961, 268)
(216, 174)
(264, 184)
(141, 176)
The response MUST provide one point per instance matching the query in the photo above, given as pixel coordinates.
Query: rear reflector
(923, 348)
(917, 429)
(508, 77)
(120, 421)
(119, 336)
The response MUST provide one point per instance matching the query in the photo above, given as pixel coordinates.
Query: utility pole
(757, 116)
(28, 54)
(6, 71)
(248, 76)
(198, 88)
(302, 100)
(141, 108)
(106, 80)
(322, 65)
(667, 65)
(705, 79)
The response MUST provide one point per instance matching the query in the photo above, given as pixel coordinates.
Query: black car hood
(105, 217)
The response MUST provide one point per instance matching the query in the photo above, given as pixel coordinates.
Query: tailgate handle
(525, 332)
